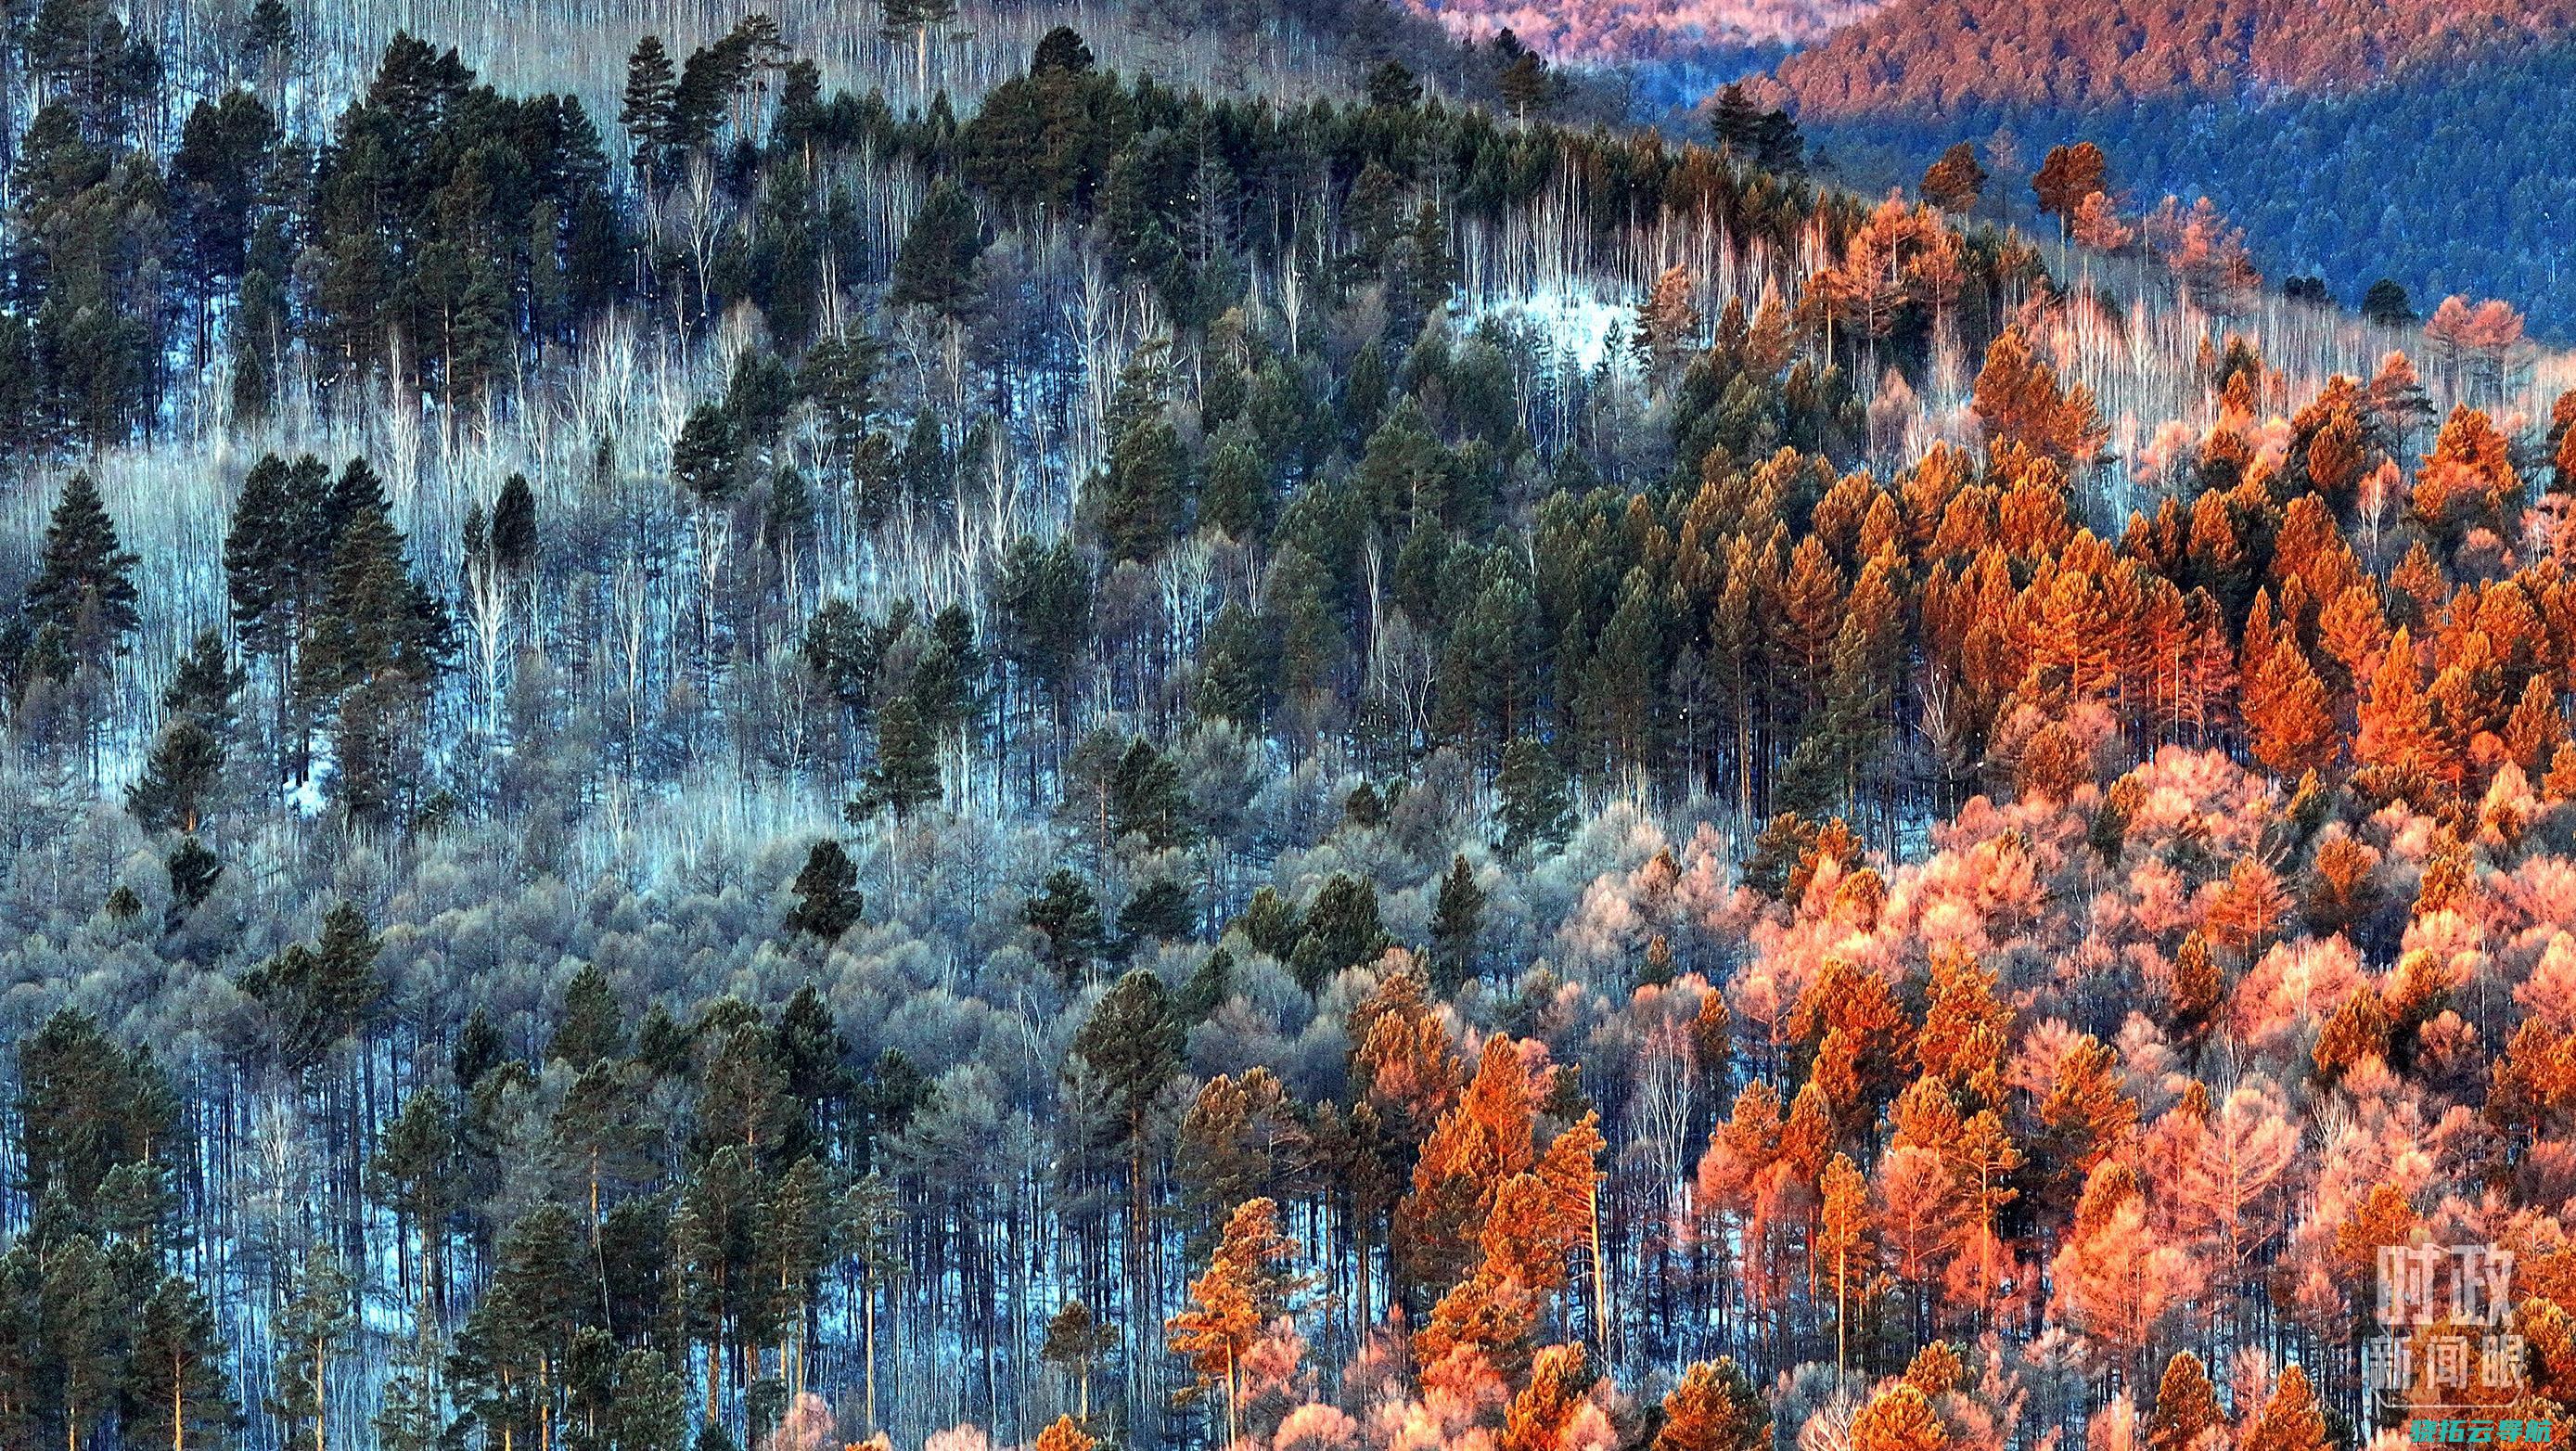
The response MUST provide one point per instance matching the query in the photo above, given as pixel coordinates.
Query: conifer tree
(1244, 1288)
(593, 1028)
(179, 779)
(906, 774)
(193, 869)
(1342, 930)
(311, 1335)
(649, 112)
(1075, 1338)
(176, 1390)
(1899, 1418)
(1067, 912)
(1455, 921)
(827, 897)
(2186, 1405)
(1714, 1407)
(1534, 809)
(84, 584)
(936, 266)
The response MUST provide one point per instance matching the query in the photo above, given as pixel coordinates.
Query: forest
(1088, 727)
(2369, 106)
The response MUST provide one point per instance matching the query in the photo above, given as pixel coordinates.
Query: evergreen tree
(936, 266)
(84, 585)
(312, 1333)
(1456, 917)
(906, 774)
(1139, 491)
(593, 1028)
(1342, 930)
(193, 868)
(1068, 913)
(179, 779)
(177, 1393)
(827, 897)
(1534, 809)
(514, 526)
(1160, 911)
(318, 997)
(649, 111)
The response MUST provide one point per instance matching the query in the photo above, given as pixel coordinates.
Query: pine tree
(179, 779)
(2186, 1406)
(1075, 1338)
(649, 111)
(906, 774)
(1456, 918)
(936, 266)
(1342, 930)
(1158, 911)
(1130, 1049)
(2291, 1420)
(84, 1326)
(176, 1390)
(1899, 1418)
(85, 1107)
(1243, 1289)
(1067, 913)
(1139, 491)
(1955, 181)
(593, 1028)
(1534, 809)
(828, 902)
(2066, 176)
(514, 526)
(1845, 1241)
(318, 997)
(193, 868)
(203, 687)
(311, 1333)
(84, 585)
(1714, 1407)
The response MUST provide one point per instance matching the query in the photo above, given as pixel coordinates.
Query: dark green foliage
(936, 267)
(827, 896)
(906, 774)
(1207, 989)
(1067, 913)
(1159, 911)
(1456, 918)
(84, 585)
(1532, 806)
(514, 526)
(177, 1390)
(706, 459)
(1342, 930)
(593, 1027)
(86, 1106)
(1131, 1047)
(2387, 304)
(184, 771)
(320, 996)
(193, 871)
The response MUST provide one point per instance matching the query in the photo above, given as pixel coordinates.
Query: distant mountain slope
(1649, 31)
(1930, 58)
(2424, 140)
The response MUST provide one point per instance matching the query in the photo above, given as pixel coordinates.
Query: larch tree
(1244, 1288)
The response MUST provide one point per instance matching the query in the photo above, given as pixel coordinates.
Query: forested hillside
(1007, 729)
(2370, 107)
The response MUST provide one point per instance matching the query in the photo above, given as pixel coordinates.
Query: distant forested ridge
(1267, 748)
(2334, 138)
